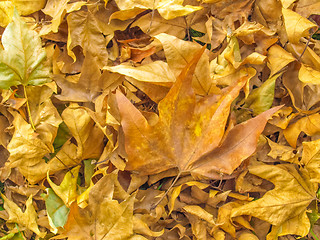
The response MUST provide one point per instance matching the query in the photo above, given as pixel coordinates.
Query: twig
(166, 193)
(305, 48)
(152, 15)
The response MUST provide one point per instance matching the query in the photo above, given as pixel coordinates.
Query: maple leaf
(285, 203)
(104, 217)
(168, 9)
(189, 132)
(28, 218)
(23, 8)
(56, 209)
(22, 60)
(57, 10)
(85, 31)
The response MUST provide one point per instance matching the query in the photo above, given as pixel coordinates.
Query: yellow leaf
(6, 9)
(311, 159)
(67, 190)
(287, 3)
(178, 55)
(104, 217)
(246, 235)
(278, 58)
(28, 7)
(296, 25)
(299, 225)
(309, 125)
(200, 212)
(28, 218)
(156, 72)
(289, 199)
(57, 10)
(176, 191)
(309, 75)
(168, 9)
(25, 146)
(281, 152)
(85, 31)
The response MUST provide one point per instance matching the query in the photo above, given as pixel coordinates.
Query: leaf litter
(193, 119)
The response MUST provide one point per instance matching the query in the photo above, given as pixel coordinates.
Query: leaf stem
(166, 193)
(313, 235)
(28, 107)
(307, 44)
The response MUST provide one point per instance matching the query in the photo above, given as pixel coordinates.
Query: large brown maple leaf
(190, 132)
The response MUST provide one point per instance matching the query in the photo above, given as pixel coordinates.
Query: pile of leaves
(159, 119)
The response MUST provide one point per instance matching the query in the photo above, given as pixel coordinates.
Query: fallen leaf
(104, 217)
(293, 192)
(296, 25)
(191, 128)
(157, 72)
(167, 9)
(28, 218)
(278, 58)
(57, 211)
(22, 58)
(310, 159)
(308, 124)
(178, 55)
(57, 10)
(85, 31)
(67, 190)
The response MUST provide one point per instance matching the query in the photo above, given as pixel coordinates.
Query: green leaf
(22, 59)
(57, 211)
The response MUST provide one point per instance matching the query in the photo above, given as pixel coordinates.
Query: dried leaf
(290, 197)
(22, 60)
(28, 218)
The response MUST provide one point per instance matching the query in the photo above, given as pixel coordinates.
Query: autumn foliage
(159, 119)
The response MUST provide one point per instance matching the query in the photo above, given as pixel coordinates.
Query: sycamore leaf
(311, 159)
(287, 3)
(23, 7)
(25, 145)
(85, 31)
(56, 209)
(261, 99)
(67, 190)
(299, 225)
(104, 217)
(6, 9)
(278, 58)
(309, 75)
(22, 61)
(309, 125)
(28, 218)
(156, 72)
(296, 25)
(81, 127)
(289, 199)
(57, 10)
(176, 191)
(45, 116)
(188, 129)
(178, 56)
(168, 9)
(28, 7)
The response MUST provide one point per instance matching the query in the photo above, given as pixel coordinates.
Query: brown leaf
(188, 129)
